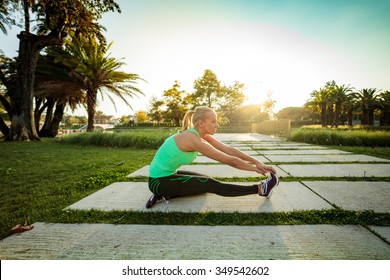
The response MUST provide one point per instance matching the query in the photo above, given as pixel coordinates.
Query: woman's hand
(264, 169)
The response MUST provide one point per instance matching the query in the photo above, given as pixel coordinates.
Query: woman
(166, 181)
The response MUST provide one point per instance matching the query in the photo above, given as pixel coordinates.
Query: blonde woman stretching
(166, 181)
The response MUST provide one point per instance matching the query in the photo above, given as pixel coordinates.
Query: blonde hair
(192, 117)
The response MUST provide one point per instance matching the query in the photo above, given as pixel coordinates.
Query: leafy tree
(291, 113)
(267, 107)
(231, 100)
(176, 104)
(141, 116)
(99, 114)
(55, 19)
(71, 120)
(124, 119)
(155, 112)
(249, 113)
(207, 90)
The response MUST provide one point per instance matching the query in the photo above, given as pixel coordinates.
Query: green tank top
(169, 158)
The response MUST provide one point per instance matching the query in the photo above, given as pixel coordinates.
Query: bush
(124, 139)
(350, 137)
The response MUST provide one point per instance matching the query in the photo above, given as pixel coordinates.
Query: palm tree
(7, 8)
(59, 19)
(339, 98)
(54, 89)
(350, 105)
(368, 101)
(99, 72)
(384, 98)
(319, 100)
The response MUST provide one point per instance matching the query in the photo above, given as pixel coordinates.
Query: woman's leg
(186, 183)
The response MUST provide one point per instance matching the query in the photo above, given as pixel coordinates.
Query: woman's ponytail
(187, 120)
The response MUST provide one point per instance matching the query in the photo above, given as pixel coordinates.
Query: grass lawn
(39, 179)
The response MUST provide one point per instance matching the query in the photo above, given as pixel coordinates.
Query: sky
(288, 48)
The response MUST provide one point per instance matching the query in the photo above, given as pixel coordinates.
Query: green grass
(342, 137)
(381, 152)
(333, 216)
(40, 179)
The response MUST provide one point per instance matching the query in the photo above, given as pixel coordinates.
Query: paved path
(100, 241)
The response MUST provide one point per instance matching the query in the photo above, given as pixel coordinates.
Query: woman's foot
(154, 199)
(267, 186)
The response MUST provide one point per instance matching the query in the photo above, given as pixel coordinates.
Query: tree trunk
(336, 119)
(364, 120)
(3, 127)
(330, 117)
(22, 120)
(91, 109)
(49, 105)
(6, 104)
(385, 118)
(57, 117)
(371, 116)
(323, 116)
(350, 117)
(38, 112)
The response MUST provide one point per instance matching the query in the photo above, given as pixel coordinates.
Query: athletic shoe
(267, 186)
(154, 199)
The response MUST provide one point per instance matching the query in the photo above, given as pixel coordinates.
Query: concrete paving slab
(249, 152)
(354, 195)
(337, 170)
(289, 147)
(214, 170)
(278, 144)
(302, 152)
(324, 158)
(383, 232)
(240, 145)
(288, 196)
(204, 159)
(244, 137)
(136, 242)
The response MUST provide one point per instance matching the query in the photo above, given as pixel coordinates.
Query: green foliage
(207, 90)
(103, 179)
(341, 137)
(176, 104)
(292, 113)
(334, 216)
(124, 139)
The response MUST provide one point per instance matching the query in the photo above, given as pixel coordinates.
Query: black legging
(186, 183)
